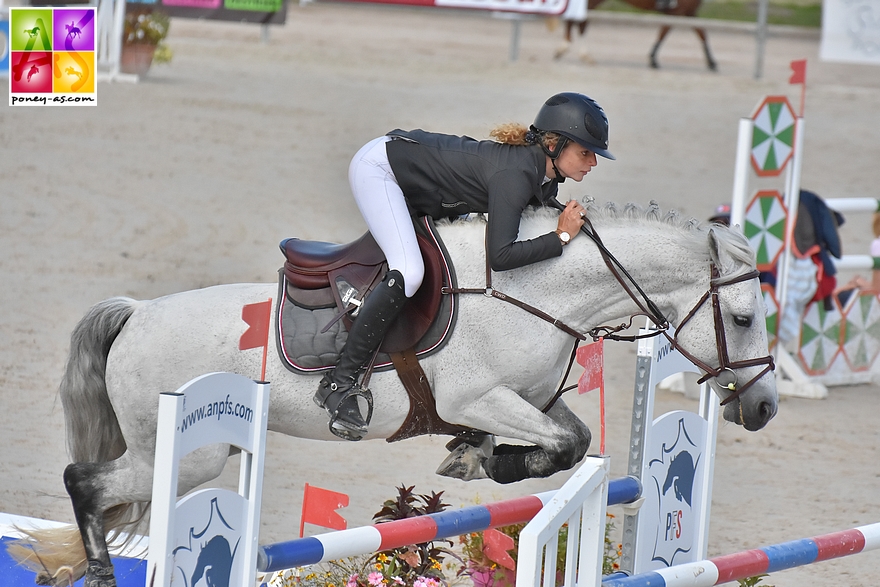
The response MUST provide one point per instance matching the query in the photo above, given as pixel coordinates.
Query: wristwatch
(564, 237)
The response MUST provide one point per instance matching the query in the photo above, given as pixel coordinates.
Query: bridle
(652, 311)
(724, 362)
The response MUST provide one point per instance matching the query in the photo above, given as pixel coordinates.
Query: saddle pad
(302, 347)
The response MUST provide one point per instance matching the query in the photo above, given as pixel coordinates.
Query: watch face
(564, 237)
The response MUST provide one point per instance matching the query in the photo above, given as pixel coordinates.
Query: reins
(648, 309)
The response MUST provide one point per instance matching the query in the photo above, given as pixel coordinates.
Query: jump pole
(378, 537)
(769, 559)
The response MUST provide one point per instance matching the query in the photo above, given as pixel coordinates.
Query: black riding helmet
(576, 117)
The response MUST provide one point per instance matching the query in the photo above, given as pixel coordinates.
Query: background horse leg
(664, 30)
(709, 61)
(568, 39)
(559, 440)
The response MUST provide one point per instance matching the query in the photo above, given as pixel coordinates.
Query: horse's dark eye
(743, 321)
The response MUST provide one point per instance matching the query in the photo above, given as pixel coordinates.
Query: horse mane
(692, 234)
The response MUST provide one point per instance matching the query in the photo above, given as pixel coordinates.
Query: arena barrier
(355, 541)
(749, 563)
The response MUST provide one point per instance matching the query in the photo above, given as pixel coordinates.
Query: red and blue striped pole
(749, 563)
(390, 535)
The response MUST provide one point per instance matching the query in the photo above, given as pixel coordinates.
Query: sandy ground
(193, 176)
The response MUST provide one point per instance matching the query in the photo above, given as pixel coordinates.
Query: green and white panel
(764, 226)
(861, 337)
(772, 136)
(820, 340)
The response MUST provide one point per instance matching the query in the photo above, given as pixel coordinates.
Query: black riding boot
(339, 389)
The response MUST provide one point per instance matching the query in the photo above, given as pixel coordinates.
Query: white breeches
(384, 209)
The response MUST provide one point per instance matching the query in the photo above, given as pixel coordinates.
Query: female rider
(417, 173)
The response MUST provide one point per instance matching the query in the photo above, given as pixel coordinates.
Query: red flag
(592, 358)
(319, 508)
(257, 318)
(799, 72)
(495, 547)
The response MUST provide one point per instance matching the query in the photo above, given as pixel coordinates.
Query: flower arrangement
(145, 25)
(478, 562)
(415, 565)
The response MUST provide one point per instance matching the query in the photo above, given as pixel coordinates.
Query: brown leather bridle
(724, 362)
(652, 311)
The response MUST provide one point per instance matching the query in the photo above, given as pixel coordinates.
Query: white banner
(850, 31)
(547, 7)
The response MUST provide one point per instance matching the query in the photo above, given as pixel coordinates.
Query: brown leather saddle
(319, 276)
(320, 273)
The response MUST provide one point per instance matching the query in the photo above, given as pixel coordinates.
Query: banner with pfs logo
(52, 57)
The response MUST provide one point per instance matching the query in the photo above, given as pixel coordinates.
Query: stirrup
(343, 428)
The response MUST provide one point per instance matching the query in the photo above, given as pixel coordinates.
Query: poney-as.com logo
(52, 57)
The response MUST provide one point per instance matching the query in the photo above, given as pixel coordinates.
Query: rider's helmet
(576, 117)
(721, 214)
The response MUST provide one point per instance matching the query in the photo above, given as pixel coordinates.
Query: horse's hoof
(465, 463)
(99, 575)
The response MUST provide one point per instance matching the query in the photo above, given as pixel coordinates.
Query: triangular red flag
(319, 508)
(592, 358)
(798, 72)
(257, 317)
(495, 547)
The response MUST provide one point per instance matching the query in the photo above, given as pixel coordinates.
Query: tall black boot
(339, 389)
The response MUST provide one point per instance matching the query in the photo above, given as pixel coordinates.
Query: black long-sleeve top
(445, 176)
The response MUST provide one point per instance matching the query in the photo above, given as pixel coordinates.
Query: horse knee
(573, 451)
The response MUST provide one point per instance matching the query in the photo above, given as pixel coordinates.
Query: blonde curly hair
(514, 133)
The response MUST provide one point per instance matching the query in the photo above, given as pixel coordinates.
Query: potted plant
(143, 38)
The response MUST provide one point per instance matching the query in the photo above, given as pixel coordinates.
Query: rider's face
(575, 161)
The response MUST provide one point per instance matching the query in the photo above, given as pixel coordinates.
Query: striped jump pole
(749, 563)
(344, 543)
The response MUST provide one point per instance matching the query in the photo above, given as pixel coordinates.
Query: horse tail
(93, 436)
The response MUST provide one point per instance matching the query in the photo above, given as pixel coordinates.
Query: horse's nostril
(767, 411)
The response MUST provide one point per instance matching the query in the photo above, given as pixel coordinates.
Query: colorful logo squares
(52, 56)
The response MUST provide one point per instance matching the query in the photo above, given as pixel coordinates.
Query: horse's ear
(717, 253)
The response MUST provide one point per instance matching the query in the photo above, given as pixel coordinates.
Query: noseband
(724, 362)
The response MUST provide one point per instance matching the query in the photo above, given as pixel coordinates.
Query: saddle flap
(419, 312)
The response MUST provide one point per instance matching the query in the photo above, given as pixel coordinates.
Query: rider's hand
(571, 219)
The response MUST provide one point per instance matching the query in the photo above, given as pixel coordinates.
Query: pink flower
(375, 578)
(426, 582)
(352, 581)
(398, 581)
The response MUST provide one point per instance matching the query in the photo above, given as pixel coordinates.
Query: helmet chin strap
(560, 145)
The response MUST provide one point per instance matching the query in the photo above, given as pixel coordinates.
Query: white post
(740, 172)
(161, 554)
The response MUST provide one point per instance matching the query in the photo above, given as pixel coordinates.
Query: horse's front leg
(559, 440)
(664, 30)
